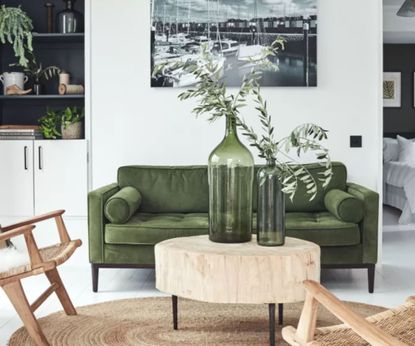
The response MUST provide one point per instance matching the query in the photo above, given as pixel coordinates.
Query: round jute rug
(148, 321)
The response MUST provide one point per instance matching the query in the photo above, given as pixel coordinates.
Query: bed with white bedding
(399, 177)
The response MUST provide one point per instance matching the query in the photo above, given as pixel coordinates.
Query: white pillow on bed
(390, 149)
(406, 150)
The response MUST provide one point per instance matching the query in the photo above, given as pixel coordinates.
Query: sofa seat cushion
(150, 229)
(322, 228)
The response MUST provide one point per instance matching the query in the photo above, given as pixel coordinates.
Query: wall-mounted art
(235, 31)
(392, 89)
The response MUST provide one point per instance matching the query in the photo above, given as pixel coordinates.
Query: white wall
(135, 124)
(397, 29)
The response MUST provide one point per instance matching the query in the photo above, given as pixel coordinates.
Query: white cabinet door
(16, 178)
(61, 176)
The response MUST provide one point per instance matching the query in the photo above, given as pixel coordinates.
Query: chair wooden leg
(53, 277)
(18, 298)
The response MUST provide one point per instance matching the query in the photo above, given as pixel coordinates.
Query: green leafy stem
(215, 102)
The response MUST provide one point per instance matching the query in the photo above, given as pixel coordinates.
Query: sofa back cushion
(167, 189)
(301, 202)
(184, 189)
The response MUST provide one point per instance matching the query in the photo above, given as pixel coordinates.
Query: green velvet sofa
(151, 204)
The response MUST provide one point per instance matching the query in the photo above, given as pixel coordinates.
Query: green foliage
(215, 102)
(36, 71)
(16, 28)
(72, 115)
(54, 119)
(49, 124)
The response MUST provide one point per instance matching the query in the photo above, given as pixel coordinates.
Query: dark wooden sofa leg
(95, 276)
(371, 277)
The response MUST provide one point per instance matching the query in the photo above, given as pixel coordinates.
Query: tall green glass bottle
(271, 207)
(231, 173)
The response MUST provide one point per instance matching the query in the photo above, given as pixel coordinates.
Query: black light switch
(355, 141)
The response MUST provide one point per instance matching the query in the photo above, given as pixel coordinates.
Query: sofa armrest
(370, 223)
(97, 220)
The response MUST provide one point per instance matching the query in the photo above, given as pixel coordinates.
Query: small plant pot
(72, 131)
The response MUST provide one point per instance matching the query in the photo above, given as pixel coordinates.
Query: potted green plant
(283, 173)
(16, 28)
(72, 123)
(49, 124)
(36, 71)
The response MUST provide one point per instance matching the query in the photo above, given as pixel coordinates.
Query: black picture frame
(413, 89)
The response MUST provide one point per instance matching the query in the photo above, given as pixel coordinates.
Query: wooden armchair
(394, 327)
(42, 261)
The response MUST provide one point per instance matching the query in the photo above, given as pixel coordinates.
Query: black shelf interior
(63, 50)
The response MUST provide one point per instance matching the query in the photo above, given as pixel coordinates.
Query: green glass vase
(271, 207)
(231, 173)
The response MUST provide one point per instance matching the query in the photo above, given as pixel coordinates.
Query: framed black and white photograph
(392, 84)
(234, 32)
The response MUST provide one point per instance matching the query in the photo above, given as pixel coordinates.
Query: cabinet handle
(40, 158)
(25, 159)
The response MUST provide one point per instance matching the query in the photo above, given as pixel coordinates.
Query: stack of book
(8, 132)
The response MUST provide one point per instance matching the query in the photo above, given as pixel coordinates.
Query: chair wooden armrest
(304, 334)
(32, 248)
(34, 220)
(16, 232)
(57, 215)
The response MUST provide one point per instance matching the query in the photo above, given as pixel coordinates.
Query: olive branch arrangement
(215, 101)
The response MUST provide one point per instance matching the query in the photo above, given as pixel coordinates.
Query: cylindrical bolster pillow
(344, 206)
(121, 206)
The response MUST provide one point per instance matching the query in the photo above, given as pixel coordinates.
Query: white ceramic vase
(13, 78)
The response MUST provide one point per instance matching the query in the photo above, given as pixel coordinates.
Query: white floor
(395, 278)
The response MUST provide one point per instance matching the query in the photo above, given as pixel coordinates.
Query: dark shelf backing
(28, 112)
(36, 10)
(67, 56)
(63, 50)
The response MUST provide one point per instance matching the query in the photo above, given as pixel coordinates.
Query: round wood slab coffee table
(246, 273)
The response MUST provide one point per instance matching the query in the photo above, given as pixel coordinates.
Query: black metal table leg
(271, 308)
(174, 304)
(280, 314)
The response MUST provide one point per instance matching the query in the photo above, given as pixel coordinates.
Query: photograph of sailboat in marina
(236, 33)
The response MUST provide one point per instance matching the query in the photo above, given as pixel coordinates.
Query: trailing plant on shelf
(49, 124)
(16, 28)
(216, 102)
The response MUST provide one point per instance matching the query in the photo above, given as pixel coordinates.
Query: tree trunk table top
(245, 273)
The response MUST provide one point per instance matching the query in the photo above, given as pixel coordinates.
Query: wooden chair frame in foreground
(304, 335)
(42, 261)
